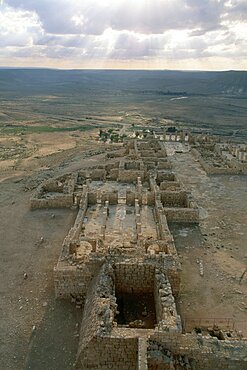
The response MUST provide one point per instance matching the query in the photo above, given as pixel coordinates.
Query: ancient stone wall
(212, 170)
(185, 215)
(169, 186)
(100, 306)
(112, 353)
(166, 312)
(165, 176)
(98, 174)
(174, 199)
(200, 353)
(56, 193)
(58, 201)
(73, 281)
(111, 197)
(120, 244)
(130, 176)
(113, 174)
(134, 278)
(163, 165)
(92, 197)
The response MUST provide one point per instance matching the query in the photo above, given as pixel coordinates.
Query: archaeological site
(119, 262)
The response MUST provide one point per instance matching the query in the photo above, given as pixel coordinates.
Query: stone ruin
(119, 263)
(171, 134)
(217, 158)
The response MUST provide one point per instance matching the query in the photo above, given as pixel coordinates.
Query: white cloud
(18, 27)
(143, 16)
(84, 30)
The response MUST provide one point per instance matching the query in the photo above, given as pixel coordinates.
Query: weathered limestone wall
(190, 215)
(94, 274)
(150, 165)
(115, 155)
(134, 277)
(69, 186)
(71, 240)
(179, 136)
(97, 349)
(111, 166)
(150, 160)
(60, 194)
(202, 353)
(98, 174)
(166, 311)
(211, 170)
(130, 197)
(92, 197)
(58, 201)
(134, 165)
(163, 165)
(130, 176)
(142, 354)
(147, 153)
(112, 197)
(99, 309)
(112, 353)
(169, 186)
(113, 174)
(165, 176)
(162, 226)
(73, 281)
(151, 198)
(70, 279)
(53, 186)
(174, 198)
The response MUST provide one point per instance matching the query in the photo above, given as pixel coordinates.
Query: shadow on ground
(53, 345)
(186, 236)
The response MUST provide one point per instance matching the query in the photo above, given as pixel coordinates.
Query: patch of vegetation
(111, 135)
(215, 104)
(22, 130)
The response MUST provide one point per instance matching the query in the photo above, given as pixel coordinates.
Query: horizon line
(122, 69)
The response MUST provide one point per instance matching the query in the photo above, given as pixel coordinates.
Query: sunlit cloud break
(183, 34)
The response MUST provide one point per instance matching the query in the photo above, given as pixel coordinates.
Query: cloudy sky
(172, 34)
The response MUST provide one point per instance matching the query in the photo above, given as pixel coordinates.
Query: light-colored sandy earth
(221, 246)
(28, 152)
(24, 301)
(28, 303)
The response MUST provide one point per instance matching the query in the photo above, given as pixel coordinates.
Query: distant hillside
(48, 81)
(231, 82)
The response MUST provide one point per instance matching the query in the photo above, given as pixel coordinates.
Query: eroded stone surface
(121, 246)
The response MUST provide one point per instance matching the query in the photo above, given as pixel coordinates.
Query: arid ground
(45, 133)
(31, 243)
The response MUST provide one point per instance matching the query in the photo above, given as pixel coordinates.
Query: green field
(53, 101)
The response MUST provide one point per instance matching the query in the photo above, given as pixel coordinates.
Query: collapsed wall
(119, 262)
(191, 351)
(221, 159)
(55, 193)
